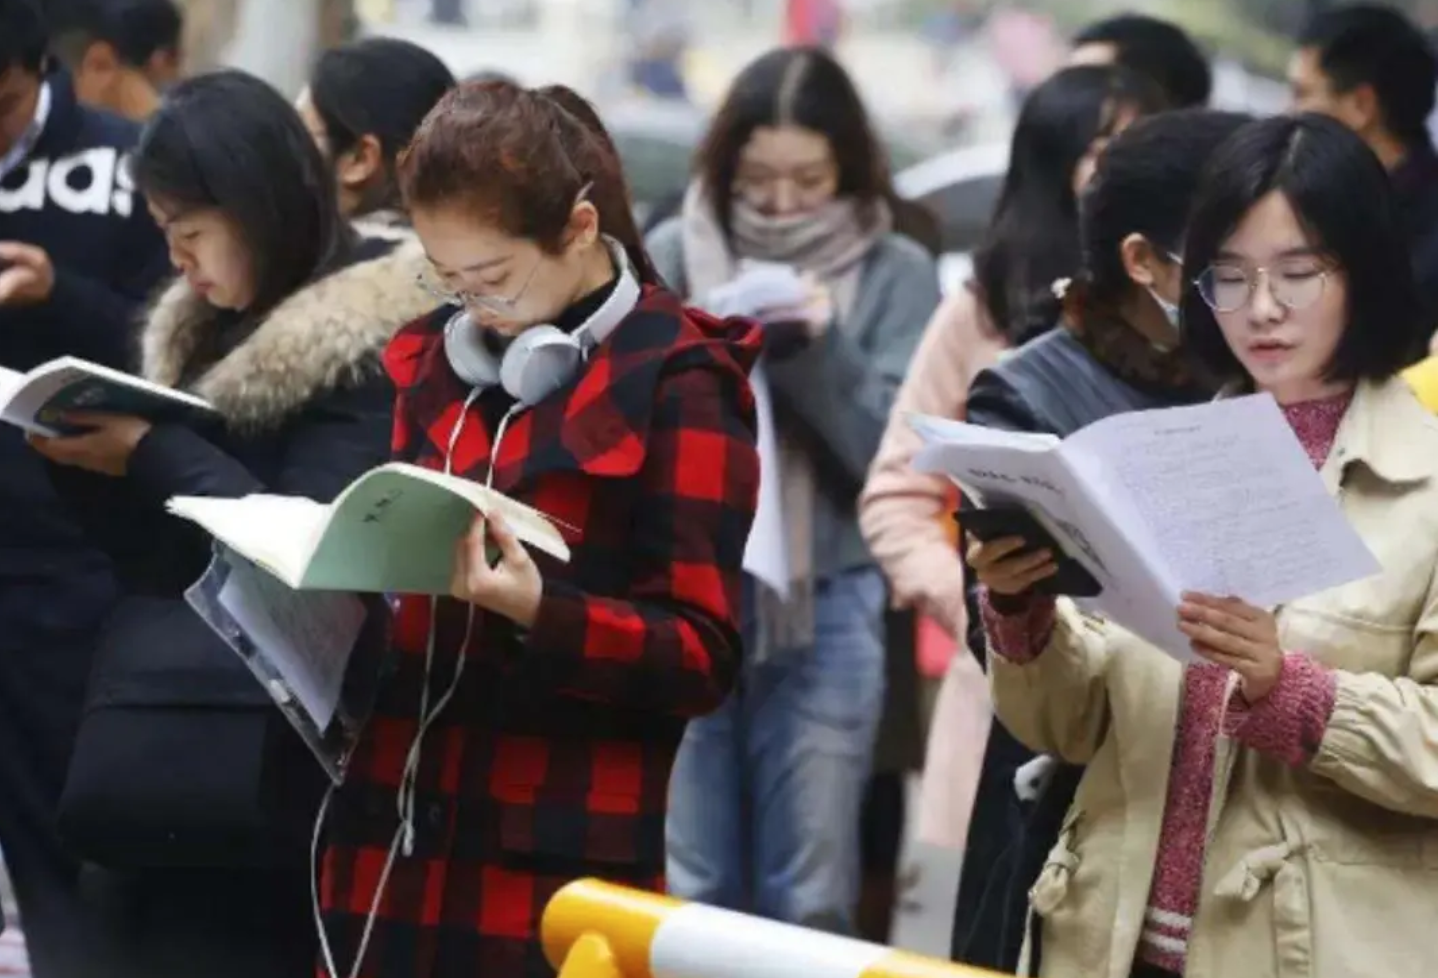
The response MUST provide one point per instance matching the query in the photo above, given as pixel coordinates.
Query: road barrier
(593, 929)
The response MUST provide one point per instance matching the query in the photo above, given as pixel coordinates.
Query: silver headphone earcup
(539, 362)
(468, 357)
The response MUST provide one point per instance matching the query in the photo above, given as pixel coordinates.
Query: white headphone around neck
(543, 358)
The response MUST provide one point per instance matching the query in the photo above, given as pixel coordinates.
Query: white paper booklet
(393, 530)
(1218, 498)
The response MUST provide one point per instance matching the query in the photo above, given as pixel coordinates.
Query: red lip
(1269, 350)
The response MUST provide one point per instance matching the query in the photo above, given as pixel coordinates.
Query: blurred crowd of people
(402, 266)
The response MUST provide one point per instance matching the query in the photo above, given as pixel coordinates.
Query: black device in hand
(1006, 520)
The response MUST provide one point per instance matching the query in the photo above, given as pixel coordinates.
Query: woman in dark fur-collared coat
(189, 793)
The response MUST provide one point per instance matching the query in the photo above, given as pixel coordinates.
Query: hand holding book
(510, 586)
(104, 445)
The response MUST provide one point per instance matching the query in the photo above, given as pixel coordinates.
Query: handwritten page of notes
(306, 636)
(1228, 501)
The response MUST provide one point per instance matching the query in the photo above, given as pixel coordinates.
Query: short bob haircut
(1341, 196)
(805, 87)
(228, 142)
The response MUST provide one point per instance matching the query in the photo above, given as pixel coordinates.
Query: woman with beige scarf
(789, 221)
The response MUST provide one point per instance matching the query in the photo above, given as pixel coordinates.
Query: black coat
(1052, 385)
(306, 409)
(108, 258)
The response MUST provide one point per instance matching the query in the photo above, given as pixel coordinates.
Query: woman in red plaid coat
(571, 682)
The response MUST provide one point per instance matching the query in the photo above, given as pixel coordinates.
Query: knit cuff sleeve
(1017, 629)
(1288, 723)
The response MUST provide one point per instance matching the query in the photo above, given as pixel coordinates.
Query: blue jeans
(765, 796)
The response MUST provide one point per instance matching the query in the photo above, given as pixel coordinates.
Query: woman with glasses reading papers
(1273, 809)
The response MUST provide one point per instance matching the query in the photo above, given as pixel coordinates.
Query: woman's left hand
(818, 311)
(1232, 633)
(512, 587)
(105, 447)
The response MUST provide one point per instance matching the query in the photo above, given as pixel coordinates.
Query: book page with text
(1001, 467)
(1229, 500)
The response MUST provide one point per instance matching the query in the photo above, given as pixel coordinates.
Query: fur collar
(325, 335)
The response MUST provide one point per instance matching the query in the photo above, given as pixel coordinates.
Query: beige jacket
(1330, 871)
(902, 512)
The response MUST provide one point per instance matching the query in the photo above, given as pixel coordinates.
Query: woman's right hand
(1003, 567)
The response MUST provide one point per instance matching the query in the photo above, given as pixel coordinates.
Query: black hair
(1369, 44)
(1158, 49)
(136, 29)
(1145, 184)
(381, 87)
(490, 75)
(1032, 238)
(1341, 196)
(24, 36)
(806, 87)
(228, 141)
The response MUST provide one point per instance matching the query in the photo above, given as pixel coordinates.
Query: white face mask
(1169, 309)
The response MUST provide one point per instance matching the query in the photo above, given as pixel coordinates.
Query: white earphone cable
(408, 791)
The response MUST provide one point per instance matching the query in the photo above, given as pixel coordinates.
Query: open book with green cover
(38, 400)
(393, 530)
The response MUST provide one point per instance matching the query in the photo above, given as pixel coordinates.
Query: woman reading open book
(527, 734)
(1273, 808)
(187, 785)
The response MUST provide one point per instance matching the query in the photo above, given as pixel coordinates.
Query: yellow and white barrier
(593, 929)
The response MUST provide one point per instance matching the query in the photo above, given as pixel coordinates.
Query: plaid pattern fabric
(552, 761)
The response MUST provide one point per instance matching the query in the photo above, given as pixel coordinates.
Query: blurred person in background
(813, 23)
(568, 684)
(277, 318)
(363, 103)
(122, 54)
(448, 13)
(1117, 350)
(790, 180)
(659, 34)
(1025, 44)
(1156, 48)
(1032, 242)
(1371, 68)
(1271, 807)
(78, 257)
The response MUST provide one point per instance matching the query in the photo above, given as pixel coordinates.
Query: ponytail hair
(519, 159)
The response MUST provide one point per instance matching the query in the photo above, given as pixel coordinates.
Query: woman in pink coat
(1032, 242)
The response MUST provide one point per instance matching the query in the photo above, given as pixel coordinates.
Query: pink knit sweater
(1287, 724)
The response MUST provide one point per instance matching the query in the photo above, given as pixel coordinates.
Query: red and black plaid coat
(552, 761)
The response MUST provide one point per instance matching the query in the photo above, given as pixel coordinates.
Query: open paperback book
(392, 531)
(1218, 498)
(37, 400)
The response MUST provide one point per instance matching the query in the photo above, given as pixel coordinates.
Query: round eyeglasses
(1294, 284)
(498, 305)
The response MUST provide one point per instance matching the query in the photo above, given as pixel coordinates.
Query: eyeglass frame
(1263, 274)
(498, 305)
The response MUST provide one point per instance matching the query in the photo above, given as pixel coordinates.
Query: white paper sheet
(1218, 498)
(766, 555)
(307, 636)
(1229, 498)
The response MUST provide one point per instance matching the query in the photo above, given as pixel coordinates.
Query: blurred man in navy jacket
(78, 256)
